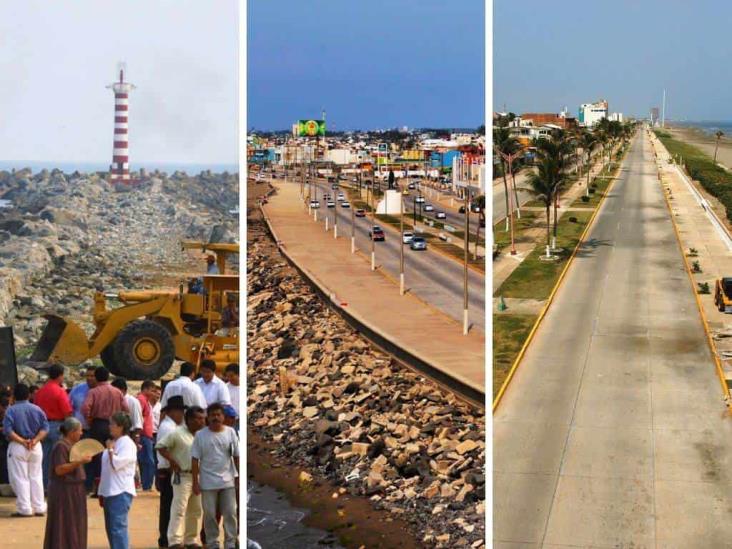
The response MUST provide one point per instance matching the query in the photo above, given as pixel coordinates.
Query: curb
(550, 299)
(409, 357)
(700, 307)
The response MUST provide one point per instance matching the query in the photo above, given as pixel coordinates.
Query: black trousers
(99, 431)
(163, 485)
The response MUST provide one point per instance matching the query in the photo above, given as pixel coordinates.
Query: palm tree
(588, 141)
(719, 135)
(559, 149)
(504, 143)
(479, 204)
(542, 185)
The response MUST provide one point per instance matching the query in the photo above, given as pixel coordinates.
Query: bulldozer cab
(222, 251)
(217, 288)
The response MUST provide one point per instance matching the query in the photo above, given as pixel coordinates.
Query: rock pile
(66, 235)
(331, 403)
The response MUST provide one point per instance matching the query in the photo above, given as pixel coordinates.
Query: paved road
(499, 196)
(433, 277)
(613, 432)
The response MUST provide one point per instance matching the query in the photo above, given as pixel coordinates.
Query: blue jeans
(146, 459)
(47, 445)
(116, 509)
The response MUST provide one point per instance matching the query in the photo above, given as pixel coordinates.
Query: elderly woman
(66, 524)
(117, 484)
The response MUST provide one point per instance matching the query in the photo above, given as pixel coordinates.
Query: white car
(341, 197)
(419, 199)
(407, 237)
(345, 204)
(441, 215)
(315, 204)
(429, 208)
(330, 204)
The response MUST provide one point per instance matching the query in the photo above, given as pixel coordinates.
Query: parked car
(461, 209)
(429, 208)
(334, 186)
(440, 215)
(315, 204)
(354, 179)
(419, 199)
(330, 204)
(341, 197)
(377, 233)
(407, 237)
(345, 204)
(360, 213)
(418, 243)
(411, 186)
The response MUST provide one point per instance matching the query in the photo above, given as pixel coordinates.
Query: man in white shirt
(184, 387)
(134, 406)
(173, 418)
(213, 388)
(232, 376)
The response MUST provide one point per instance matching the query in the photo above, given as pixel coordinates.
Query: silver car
(407, 237)
(418, 243)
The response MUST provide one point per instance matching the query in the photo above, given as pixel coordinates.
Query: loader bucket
(61, 341)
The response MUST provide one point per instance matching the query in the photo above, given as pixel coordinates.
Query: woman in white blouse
(117, 484)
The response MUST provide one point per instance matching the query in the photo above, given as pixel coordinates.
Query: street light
(465, 263)
(510, 158)
(401, 246)
(353, 230)
(373, 212)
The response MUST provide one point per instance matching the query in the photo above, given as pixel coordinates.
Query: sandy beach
(705, 142)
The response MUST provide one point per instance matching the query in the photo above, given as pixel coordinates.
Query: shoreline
(697, 137)
(350, 519)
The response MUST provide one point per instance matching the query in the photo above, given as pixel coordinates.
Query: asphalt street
(613, 432)
(428, 275)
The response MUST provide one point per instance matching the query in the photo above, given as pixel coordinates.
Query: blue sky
(370, 64)
(551, 54)
(57, 57)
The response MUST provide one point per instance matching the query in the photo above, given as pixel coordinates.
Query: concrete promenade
(613, 432)
(407, 321)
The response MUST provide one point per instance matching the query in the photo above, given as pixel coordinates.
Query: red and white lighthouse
(119, 170)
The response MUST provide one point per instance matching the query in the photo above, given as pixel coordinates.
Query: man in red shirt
(145, 453)
(56, 404)
(100, 403)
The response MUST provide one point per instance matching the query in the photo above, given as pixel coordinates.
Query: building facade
(591, 113)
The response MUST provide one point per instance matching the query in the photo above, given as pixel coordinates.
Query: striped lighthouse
(119, 171)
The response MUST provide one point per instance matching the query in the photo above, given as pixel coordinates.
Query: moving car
(440, 215)
(345, 204)
(330, 204)
(723, 294)
(377, 233)
(429, 208)
(341, 197)
(418, 243)
(411, 186)
(419, 199)
(315, 204)
(461, 209)
(407, 237)
(360, 213)
(334, 186)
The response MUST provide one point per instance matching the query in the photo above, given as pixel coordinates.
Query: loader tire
(142, 350)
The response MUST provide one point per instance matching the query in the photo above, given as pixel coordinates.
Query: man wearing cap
(213, 387)
(25, 425)
(173, 411)
(212, 268)
(185, 510)
(55, 403)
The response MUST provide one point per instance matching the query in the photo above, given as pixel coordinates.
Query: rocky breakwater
(330, 404)
(66, 235)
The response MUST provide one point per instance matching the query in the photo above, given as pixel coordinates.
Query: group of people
(182, 437)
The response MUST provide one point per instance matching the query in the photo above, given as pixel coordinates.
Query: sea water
(709, 126)
(272, 523)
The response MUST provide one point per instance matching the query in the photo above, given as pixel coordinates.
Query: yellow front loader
(140, 339)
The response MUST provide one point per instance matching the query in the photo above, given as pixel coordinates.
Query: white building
(470, 173)
(591, 113)
(616, 117)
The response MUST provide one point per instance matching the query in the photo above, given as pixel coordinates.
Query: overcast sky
(551, 54)
(56, 57)
(370, 64)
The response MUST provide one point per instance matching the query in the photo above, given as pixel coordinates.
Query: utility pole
(335, 213)
(353, 229)
(510, 158)
(465, 263)
(373, 242)
(401, 246)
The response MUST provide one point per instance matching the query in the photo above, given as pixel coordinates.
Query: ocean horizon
(88, 167)
(707, 126)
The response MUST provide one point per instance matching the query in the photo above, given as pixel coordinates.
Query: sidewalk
(698, 232)
(406, 321)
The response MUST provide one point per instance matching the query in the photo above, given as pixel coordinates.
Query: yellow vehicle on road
(723, 295)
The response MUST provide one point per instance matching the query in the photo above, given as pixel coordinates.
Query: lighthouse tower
(119, 170)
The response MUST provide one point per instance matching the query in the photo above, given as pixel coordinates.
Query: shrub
(695, 267)
(585, 198)
(703, 287)
(591, 190)
(573, 219)
(693, 252)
